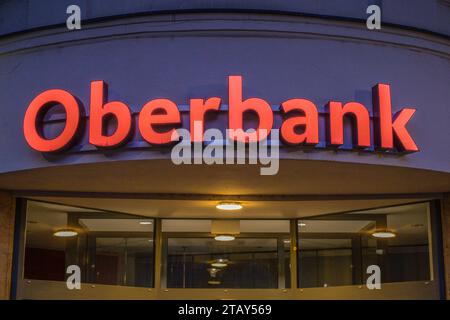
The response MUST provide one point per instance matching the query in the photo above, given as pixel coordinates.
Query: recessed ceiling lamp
(383, 234)
(224, 237)
(219, 263)
(229, 206)
(145, 222)
(65, 233)
(302, 224)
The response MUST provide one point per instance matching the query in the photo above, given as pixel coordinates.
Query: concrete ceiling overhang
(295, 177)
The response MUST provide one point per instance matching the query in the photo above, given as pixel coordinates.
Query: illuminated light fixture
(224, 237)
(287, 241)
(302, 224)
(220, 263)
(145, 222)
(383, 234)
(214, 282)
(65, 233)
(213, 271)
(229, 206)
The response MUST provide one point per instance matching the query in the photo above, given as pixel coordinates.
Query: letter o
(30, 130)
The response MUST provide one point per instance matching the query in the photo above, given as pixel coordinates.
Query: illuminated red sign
(159, 118)
(35, 111)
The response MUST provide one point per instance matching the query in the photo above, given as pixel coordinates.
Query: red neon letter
(198, 109)
(35, 110)
(237, 107)
(99, 111)
(360, 115)
(310, 121)
(381, 95)
(169, 115)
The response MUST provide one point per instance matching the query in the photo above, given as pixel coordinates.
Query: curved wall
(426, 15)
(190, 55)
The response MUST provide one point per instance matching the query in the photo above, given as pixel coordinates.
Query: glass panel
(109, 248)
(195, 259)
(203, 262)
(337, 249)
(124, 261)
(325, 262)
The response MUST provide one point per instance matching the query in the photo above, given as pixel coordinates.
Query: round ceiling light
(224, 237)
(219, 263)
(229, 206)
(145, 222)
(383, 234)
(66, 233)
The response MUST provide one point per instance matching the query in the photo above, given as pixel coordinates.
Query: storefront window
(117, 249)
(336, 250)
(256, 256)
(109, 248)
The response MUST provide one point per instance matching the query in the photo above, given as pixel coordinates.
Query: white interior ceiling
(116, 225)
(206, 209)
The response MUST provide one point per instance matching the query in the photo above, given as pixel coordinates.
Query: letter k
(390, 128)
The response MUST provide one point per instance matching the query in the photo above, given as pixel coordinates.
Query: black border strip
(19, 231)
(218, 197)
(436, 208)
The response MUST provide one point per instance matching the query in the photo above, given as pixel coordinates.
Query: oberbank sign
(159, 120)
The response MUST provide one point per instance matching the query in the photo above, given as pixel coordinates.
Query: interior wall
(7, 211)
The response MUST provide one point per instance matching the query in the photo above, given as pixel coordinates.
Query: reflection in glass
(335, 250)
(109, 248)
(204, 262)
(194, 259)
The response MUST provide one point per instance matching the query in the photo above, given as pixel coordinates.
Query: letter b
(237, 108)
(100, 112)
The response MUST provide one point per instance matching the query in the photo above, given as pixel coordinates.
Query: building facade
(349, 187)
